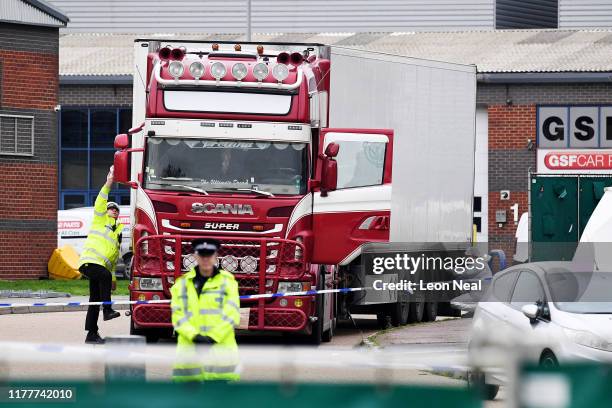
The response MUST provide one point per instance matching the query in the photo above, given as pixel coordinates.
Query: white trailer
(431, 107)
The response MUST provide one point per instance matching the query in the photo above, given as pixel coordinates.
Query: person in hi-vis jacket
(205, 310)
(99, 259)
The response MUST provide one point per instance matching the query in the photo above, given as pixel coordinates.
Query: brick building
(29, 42)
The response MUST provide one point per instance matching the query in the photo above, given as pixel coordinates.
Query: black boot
(94, 338)
(110, 314)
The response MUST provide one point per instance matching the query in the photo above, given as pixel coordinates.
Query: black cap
(205, 246)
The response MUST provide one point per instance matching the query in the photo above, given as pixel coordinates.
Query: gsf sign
(574, 126)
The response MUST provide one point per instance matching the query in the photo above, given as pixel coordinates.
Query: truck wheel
(151, 335)
(316, 337)
(328, 335)
(317, 327)
(431, 312)
(415, 313)
(382, 321)
(399, 313)
(127, 262)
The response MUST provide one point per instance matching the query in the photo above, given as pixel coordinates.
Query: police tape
(165, 301)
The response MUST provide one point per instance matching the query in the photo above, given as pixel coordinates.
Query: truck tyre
(328, 335)
(127, 265)
(431, 312)
(383, 321)
(151, 335)
(415, 314)
(399, 313)
(317, 327)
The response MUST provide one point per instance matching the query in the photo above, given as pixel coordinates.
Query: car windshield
(581, 292)
(206, 165)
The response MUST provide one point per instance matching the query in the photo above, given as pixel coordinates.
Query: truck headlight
(197, 69)
(280, 72)
(229, 263)
(248, 264)
(588, 339)
(176, 69)
(260, 71)
(287, 287)
(218, 70)
(148, 283)
(239, 71)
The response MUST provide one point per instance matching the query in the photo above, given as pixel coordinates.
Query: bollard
(125, 371)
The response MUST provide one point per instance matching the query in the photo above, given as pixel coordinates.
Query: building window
(86, 152)
(17, 135)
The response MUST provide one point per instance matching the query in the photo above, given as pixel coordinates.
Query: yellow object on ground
(64, 264)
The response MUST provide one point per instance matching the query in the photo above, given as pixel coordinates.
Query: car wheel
(548, 360)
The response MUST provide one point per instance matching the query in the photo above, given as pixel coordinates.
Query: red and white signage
(574, 161)
(67, 224)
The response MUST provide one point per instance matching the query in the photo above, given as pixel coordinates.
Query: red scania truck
(296, 157)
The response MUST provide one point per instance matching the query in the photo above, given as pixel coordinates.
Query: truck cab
(232, 143)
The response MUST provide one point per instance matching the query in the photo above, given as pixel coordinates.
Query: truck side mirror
(329, 169)
(122, 141)
(332, 150)
(122, 166)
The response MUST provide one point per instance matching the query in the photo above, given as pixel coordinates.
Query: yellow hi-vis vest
(102, 244)
(215, 313)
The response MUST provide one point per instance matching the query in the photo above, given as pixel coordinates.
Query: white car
(547, 312)
(73, 226)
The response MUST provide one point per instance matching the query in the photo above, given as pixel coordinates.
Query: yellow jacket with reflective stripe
(102, 244)
(215, 313)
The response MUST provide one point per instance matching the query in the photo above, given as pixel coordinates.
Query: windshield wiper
(252, 190)
(199, 190)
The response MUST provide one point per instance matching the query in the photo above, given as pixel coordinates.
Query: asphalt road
(66, 328)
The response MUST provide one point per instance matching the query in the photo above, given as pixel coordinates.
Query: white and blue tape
(164, 301)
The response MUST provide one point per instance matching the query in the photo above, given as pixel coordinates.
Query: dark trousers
(100, 280)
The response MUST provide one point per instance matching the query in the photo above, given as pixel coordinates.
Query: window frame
(527, 271)
(91, 191)
(336, 137)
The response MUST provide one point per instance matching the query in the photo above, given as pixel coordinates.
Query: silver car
(548, 312)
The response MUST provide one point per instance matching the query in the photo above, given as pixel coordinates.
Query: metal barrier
(258, 265)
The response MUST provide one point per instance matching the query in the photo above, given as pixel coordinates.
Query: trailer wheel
(383, 321)
(431, 312)
(415, 313)
(399, 313)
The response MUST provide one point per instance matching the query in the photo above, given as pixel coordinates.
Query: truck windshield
(209, 165)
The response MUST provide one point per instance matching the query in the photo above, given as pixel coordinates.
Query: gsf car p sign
(592, 161)
(574, 127)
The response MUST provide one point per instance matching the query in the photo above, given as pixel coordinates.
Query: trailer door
(358, 211)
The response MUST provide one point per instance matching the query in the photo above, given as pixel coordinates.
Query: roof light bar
(221, 69)
(280, 72)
